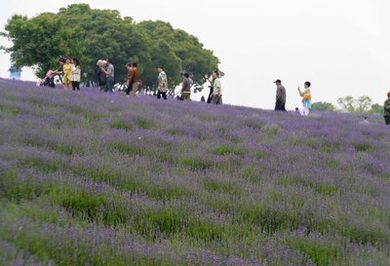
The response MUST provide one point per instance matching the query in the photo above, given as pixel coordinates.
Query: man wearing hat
(280, 96)
(387, 109)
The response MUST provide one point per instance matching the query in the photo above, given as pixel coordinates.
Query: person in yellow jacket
(67, 71)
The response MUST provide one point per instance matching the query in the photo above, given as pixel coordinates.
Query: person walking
(76, 74)
(162, 83)
(210, 97)
(101, 75)
(306, 98)
(387, 109)
(110, 74)
(280, 104)
(186, 88)
(130, 74)
(217, 88)
(136, 80)
(67, 71)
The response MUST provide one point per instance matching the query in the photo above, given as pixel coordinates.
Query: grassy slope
(107, 180)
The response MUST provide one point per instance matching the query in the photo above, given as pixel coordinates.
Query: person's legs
(283, 107)
(305, 111)
(111, 87)
(164, 95)
(73, 85)
(210, 98)
(216, 100)
(387, 120)
(110, 84)
(159, 93)
(135, 88)
(128, 89)
(278, 105)
(77, 85)
(51, 83)
(186, 96)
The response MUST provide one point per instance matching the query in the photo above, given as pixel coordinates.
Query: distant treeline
(363, 104)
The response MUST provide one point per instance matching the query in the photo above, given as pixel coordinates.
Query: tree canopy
(92, 34)
(323, 106)
(360, 105)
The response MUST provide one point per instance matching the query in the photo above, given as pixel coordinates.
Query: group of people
(105, 74)
(281, 97)
(134, 84)
(69, 74)
(69, 70)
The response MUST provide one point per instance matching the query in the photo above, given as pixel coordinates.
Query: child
(49, 78)
(306, 98)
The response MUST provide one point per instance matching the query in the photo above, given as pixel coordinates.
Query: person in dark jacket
(387, 109)
(186, 88)
(280, 104)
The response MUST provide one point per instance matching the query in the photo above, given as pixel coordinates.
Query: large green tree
(92, 34)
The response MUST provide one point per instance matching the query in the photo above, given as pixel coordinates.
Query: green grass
(205, 231)
(224, 150)
(196, 163)
(120, 124)
(321, 254)
(10, 110)
(129, 149)
(216, 186)
(268, 219)
(363, 147)
(327, 190)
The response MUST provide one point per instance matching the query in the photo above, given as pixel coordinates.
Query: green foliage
(363, 147)
(347, 103)
(197, 163)
(323, 106)
(187, 49)
(83, 204)
(205, 231)
(321, 254)
(120, 124)
(360, 105)
(377, 109)
(224, 150)
(144, 123)
(327, 190)
(270, 220)
(153, 223)
(92, 34)
(215, 186)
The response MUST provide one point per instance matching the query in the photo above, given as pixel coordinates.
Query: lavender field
(101, 179)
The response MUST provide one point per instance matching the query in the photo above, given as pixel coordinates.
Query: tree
(194, 59)
(323, 106)
(98, 34)
(363, 104)
(377, 109)
(347, 103)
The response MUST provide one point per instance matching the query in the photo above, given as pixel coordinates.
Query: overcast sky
(341, 46)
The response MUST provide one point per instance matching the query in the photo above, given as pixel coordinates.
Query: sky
(341, 46)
